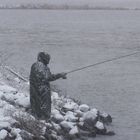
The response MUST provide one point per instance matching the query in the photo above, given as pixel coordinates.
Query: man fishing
(40, 92)
(40, 78)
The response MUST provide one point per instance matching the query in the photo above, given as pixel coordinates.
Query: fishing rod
(102, 62)
(15, 73)
(78, 69)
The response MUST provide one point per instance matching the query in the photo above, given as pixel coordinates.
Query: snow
(7, 89)
(70, 117)
(84, 107)
(4, 124)
(22, 100)
(58, 117)
(74, 130)
(99, 125)
(91, 115)
(66, 114)
(67, 125)
(54, 111)
(3, 134)
(54, 95)
(70, 106)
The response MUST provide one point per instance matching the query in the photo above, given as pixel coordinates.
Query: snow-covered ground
(68, 117)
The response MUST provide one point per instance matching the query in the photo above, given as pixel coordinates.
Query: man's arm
(54, 77)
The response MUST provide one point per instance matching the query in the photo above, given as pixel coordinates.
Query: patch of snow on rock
(7, 89)
(74, 130)
(84, 108)
(54, 96)
(58, 118)
(67, 125)
(22, 100)
(92, 114)
(70, 117)
(99, 125)
(4, 124)
(3, 134)
(70, 106)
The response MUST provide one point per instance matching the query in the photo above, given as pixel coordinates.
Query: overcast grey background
(112, 3)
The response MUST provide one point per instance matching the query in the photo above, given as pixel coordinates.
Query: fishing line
(102, 62)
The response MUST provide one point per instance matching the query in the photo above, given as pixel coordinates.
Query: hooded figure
(40, 92)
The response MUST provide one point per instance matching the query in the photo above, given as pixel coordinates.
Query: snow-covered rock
(4, 124)
(58, 118)
(54, 111)
(74, 131)
(54, 96)
(106, 118)
(23, 101)
(84, 108)
(78, 113)
(67, 125)
(3, 134)
(7, 89)
(7, 121)
(99, 125)
(100, 128)
(90, 118)
(56, 127)
(70, 117)
(91, 115)
(70, 106)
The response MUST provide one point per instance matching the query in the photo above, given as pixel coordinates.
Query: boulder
(54, 96)
(23, 101)
(70, 106)
(74, 132)
(57, 118)
(4, 124)
(84, 108)
(90, 118)
(78, 113)
(7, 89)
(67, 125)
(100, 128)
(3, 134)
(70, 117)
(106, 118)
(54, 111)
(56, 127)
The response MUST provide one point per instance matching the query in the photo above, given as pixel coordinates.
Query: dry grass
(30, 124)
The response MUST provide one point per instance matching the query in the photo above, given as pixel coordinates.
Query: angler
(40, 92)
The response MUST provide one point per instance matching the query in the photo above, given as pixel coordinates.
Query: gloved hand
(63, 75)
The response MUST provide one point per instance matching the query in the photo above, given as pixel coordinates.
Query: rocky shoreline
(70, 120)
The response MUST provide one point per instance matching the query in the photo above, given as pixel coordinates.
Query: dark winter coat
(40, 92)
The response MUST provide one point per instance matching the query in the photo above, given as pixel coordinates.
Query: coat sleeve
(44, 73)
(52, 77)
